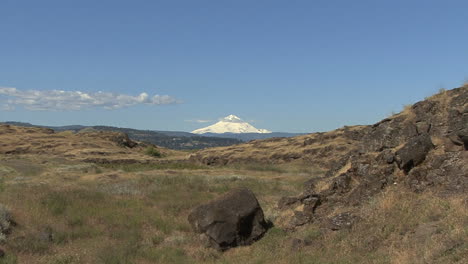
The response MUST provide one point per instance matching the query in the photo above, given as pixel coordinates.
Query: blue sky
(294, 66)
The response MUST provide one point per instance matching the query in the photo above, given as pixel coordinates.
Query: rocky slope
(441, 116)
(424, 148)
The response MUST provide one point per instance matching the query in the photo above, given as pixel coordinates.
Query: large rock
(235, 219)
(414, 152)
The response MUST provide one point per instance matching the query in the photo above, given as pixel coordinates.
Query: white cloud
(7, 107)
(199, 121)
(36, 100)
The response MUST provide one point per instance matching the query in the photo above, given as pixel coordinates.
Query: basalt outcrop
(422, 148)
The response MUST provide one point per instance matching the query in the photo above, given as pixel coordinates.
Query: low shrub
(153, 152)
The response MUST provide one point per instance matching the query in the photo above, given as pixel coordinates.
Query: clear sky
(292, 66)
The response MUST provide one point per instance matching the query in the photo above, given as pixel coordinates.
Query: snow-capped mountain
(230, 124)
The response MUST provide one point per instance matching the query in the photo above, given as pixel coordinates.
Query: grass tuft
(153, 152)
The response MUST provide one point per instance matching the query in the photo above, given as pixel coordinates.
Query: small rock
(301, 218)
(341, 221)
(423, 127)
(285, 202)
(341, 184)
(297, 244)
(310, 184)
(387, 156)
(5, 220)
(46, 235)
(310, 203)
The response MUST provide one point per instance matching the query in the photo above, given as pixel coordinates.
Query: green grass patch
(165, 255)
(9, 259)
(153, 152)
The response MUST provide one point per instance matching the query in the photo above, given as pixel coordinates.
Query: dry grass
(140, 217)
(116, 216)
(318, 150)
(98, 146)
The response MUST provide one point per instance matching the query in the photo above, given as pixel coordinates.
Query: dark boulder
(235, 219)
(414, 152)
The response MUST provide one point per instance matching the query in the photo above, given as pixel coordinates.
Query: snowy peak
(232, 118)
(230, 124)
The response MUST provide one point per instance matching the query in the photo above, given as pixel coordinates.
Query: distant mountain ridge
(168, 139)
(171, 139)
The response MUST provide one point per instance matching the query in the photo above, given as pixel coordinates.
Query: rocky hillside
(94, 146)
(441, 116)
(424, 148)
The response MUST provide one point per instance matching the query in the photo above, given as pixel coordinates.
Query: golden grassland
(74, 212)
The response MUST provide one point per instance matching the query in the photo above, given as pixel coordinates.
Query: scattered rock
(309, 200)
(285, 202)
(310, 184)
(387, 156)
(46, 235)
(341, 184)
(297, 211)
(414, 152)
(123, 140)
(341, 221)
(300, 218)
(423, 127)
(5, 220)
(235, 219)
(298, 244)
(446, 170)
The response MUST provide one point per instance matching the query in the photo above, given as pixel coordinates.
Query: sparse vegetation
(153, 152)
(2, 184)
(148, 227)
(152, 226)
(154, 166)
